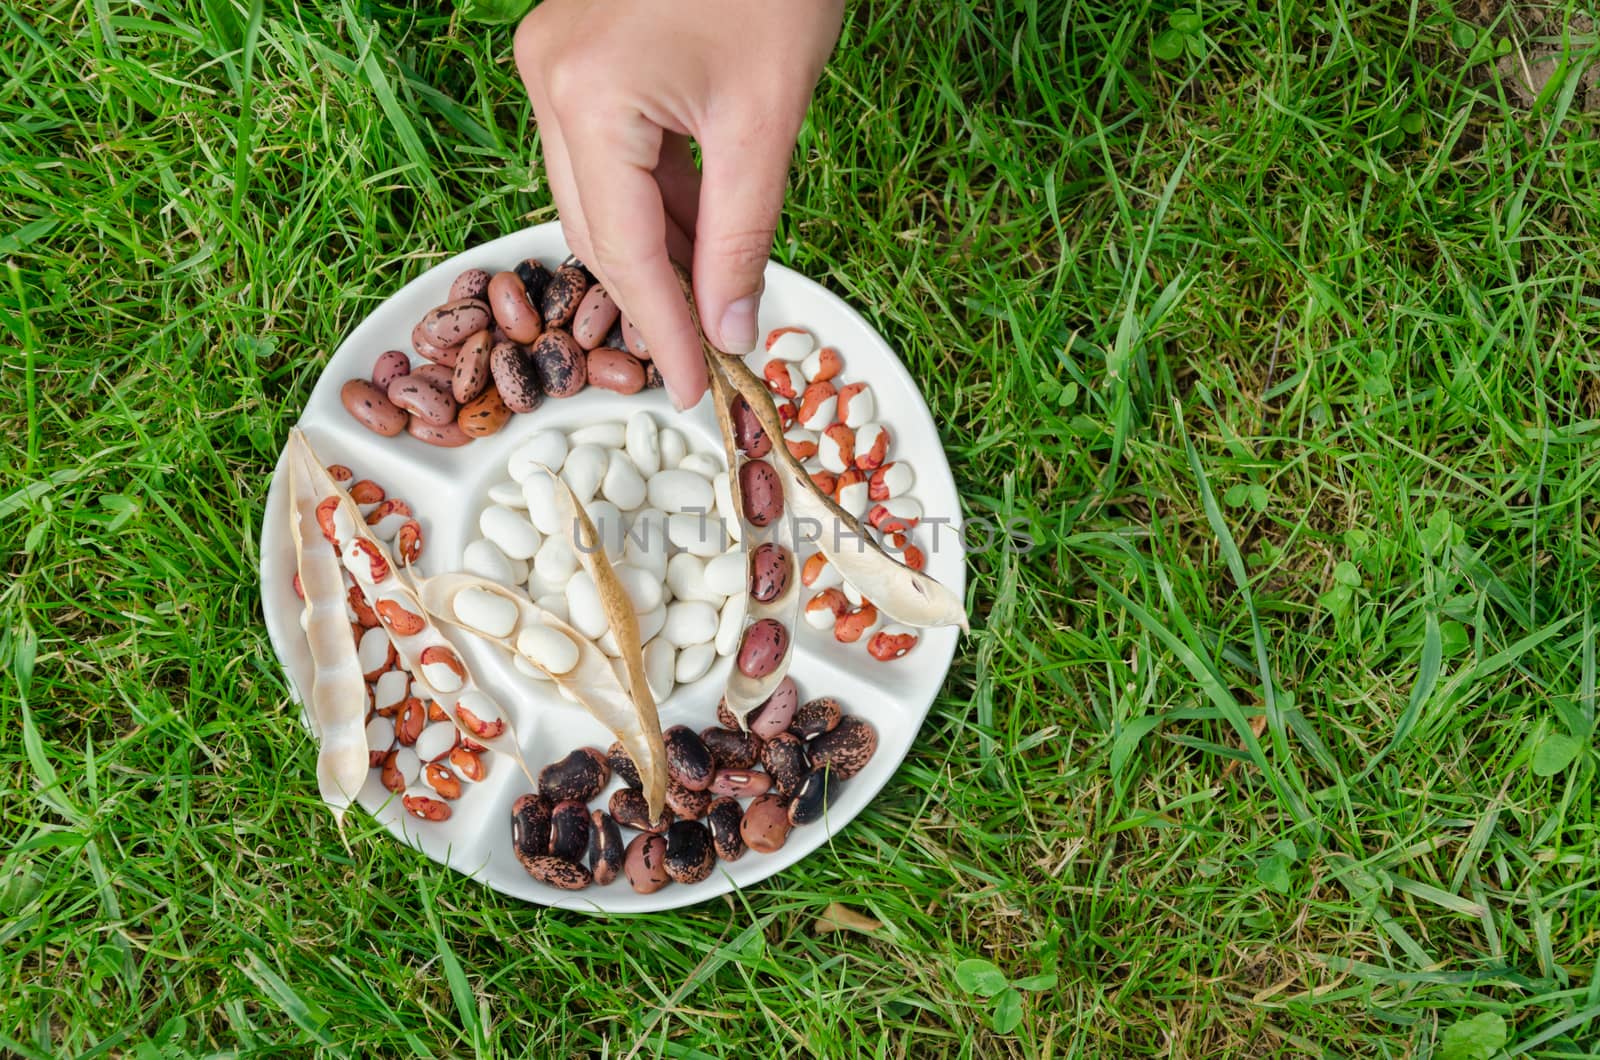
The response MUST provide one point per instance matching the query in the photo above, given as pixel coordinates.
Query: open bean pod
(589, 679)
(905, 595)
(337, 702)
(767, 640)
(435, 666)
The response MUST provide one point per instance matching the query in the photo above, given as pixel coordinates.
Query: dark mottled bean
(765, 826)
(645, 863)
(372, 408)
(535, 277)
(730, 748)
(615, 338)
(771, 571)
(605, 847)
(558, 872)
(688, 760)
(563, 294)
(580, 776)
(563, 370)
(784, 758)
(846, 748)
(816, 717)
(686, 803)
(569, 830)
(530, 826)
(723, 820)
(516, 376)
(690, 853)
(811, 800)
(629, 807)
(652, 376)
(622, 765)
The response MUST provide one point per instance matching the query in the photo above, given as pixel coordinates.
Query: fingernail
(738, 328)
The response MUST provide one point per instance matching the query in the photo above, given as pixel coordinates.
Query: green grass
(1284, 349)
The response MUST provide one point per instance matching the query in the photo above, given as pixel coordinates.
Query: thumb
(741, 195)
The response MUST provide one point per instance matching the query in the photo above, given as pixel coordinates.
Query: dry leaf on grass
(842, 918)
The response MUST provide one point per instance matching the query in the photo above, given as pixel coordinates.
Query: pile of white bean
(663, 512)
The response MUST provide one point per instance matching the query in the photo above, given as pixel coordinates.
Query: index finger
(627, 224)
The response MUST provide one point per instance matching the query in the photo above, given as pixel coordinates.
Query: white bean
(651, 621)
(689, 622)
(555, 604)
(373, 649)
(677, 490)
(436, 741)
(693, 662)
(485, 612)
(547, 648)
(646, 544)
(660, 663)
(539, 586)
(583, 606)
(380, 733)
(674, 447)
(730, 625)
(686, 577)
(545, 447)
(703, 535)
(722, 486)
(703, 464)
(607, 522)
(510, 531)
(608, 435)
(527, 669)
(555, 562)
(540, 493)
(642, 587)
(727, 574)
(508, 493)
(623, 485)
(585, 467)
(644, 443)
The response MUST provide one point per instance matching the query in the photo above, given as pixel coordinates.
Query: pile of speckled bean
(785, 768)
(499, 346)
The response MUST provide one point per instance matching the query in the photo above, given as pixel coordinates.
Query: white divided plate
(448, 487)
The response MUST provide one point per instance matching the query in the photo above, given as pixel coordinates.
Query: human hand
(619, 88)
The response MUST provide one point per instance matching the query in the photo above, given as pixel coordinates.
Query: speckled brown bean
(558, 872)
(423, 400)
(645, 863)
(535, 277)
(516, 376)
(615, 370)
(517, 316)
(633, 338)
(622, 765)
(771, 568)
(730, 748)
(846, 748)
(772, 716)
(740, 783)
(605, 847)
(748, 435)
(563, 294)
(690, 854)
(471, 372)
(484, 414)
(811, 800)
(569, 830)
(784, 759)
(684, 803)
(530, 827)
(766, 826)
(762, 648)
(722, 820)
(562, 368)
(450, 324)
(474, 283)
(595, 315)
(447, 437)
(390, 365)
(437, 374)
(763, 496)
(426, 347)
(815, 717)
(579, 776)
(688, 760)
(372, 408)
(630, 809)
(652, 376)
